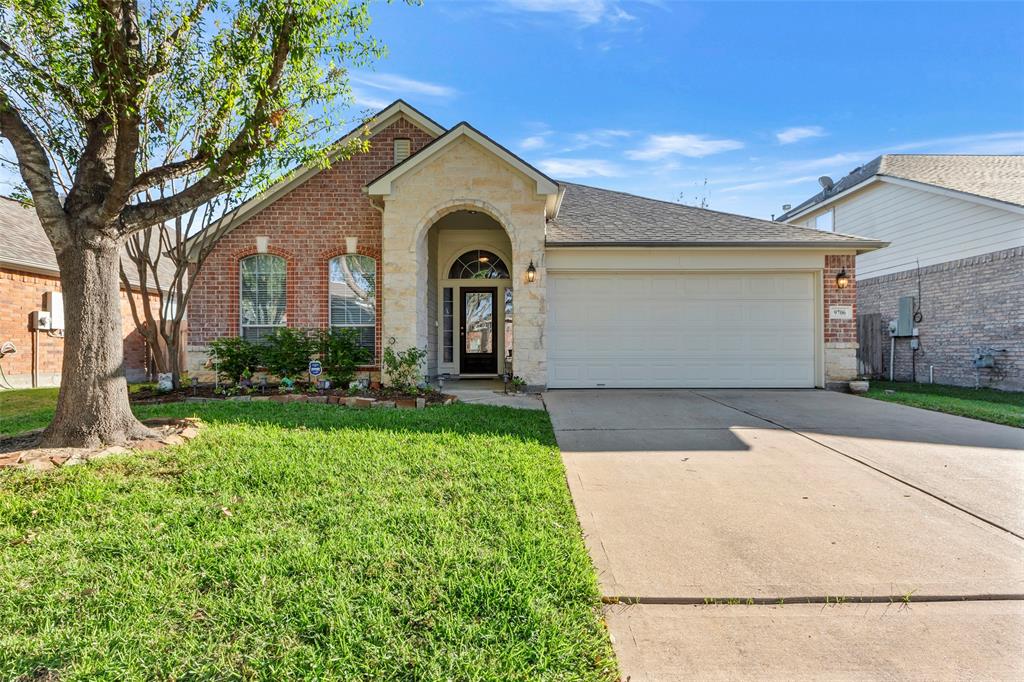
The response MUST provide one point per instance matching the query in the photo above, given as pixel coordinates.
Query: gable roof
(590, 216)
(999, 178)
(381, 185)
(25, 246)
(381, 120)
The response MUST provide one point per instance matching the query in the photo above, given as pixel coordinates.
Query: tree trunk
(174, 355)
(92, 407)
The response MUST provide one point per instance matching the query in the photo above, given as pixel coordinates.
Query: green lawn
(23, 410)
(1001, 407)
(304, 541)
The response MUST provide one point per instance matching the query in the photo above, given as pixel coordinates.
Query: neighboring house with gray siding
(955, 225)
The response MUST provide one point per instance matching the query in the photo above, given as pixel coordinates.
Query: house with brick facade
(442, 239)
(30, 282)
(955, 224)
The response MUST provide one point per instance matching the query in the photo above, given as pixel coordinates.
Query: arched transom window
(478, 264)
(263, 295)
(353, 296)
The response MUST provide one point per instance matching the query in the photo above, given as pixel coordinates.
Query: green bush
(286, 352)
(403, 370)
(233, 356)
(340, 354)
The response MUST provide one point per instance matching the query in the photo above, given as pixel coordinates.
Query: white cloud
(791, 135)
(533, 142)
(601, 137)
(769, 184)
(584, 12)
(368, 101)
(579, 168)
(402, 86)
(1010, 142)
(694, 146)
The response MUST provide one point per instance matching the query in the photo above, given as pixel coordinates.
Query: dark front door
(478, 329)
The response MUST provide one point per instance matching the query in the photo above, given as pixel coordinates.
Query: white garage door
(689, 330)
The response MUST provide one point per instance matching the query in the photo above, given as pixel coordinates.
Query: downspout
(35, 358)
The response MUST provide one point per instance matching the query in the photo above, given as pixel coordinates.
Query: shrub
(286, 352)
(403, 370)
(340, 354)
(234, 357)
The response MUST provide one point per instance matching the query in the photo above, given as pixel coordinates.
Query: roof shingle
(23, 243)
(991, 177)
(590, 216)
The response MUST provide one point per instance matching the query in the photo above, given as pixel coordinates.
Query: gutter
(35, 268)
(860, 245)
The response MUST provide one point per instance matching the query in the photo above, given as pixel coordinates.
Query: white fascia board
(382, 185)
(846, 192)
(955, 194)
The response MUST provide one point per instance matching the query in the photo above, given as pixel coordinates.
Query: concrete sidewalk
(953, 641)
(693, 495)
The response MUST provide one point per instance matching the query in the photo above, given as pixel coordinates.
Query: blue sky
(758, 98)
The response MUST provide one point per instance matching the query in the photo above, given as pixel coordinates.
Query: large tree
(104, 102)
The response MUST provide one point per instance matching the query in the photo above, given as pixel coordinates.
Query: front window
(353, 297)
(263, 295)
(478, 264)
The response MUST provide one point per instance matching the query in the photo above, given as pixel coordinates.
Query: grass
(987, 404)
(304, 541)
(26, 409)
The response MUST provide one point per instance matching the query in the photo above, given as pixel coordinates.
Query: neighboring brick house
(444, 240)
(28, 271)
(955, 224)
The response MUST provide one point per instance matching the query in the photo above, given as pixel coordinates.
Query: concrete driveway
(794, 500)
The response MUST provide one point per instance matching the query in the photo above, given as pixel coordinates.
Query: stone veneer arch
(453, 206)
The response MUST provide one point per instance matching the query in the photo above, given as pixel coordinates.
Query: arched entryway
(469, 296)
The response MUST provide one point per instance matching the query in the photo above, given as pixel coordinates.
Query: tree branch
(239, 150)
(69, 97)
(36, 171)
(169, 171)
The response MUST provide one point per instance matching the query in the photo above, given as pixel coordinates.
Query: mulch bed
(147, 395)
(22, 451)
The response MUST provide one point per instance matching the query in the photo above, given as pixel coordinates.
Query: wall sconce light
(842, 279)
(531, 273)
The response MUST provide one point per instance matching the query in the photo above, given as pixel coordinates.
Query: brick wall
(20, 294)
(840, 335)
(965, 304)
(308, 226)
(840, 331)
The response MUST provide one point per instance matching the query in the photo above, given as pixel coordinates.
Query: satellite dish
(826, 182)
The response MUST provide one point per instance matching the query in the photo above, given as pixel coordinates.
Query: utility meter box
(53, 303)
(40, 321)
(905, 319)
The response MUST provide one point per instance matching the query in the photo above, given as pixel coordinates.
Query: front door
(478, 328)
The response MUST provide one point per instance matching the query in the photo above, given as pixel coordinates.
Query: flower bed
(384, 397)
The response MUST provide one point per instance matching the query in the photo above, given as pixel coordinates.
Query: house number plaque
(840, 312)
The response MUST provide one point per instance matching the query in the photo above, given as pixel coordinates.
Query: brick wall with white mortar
(965, 304)
(21, 293)
(308, 226)
(840, 335)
